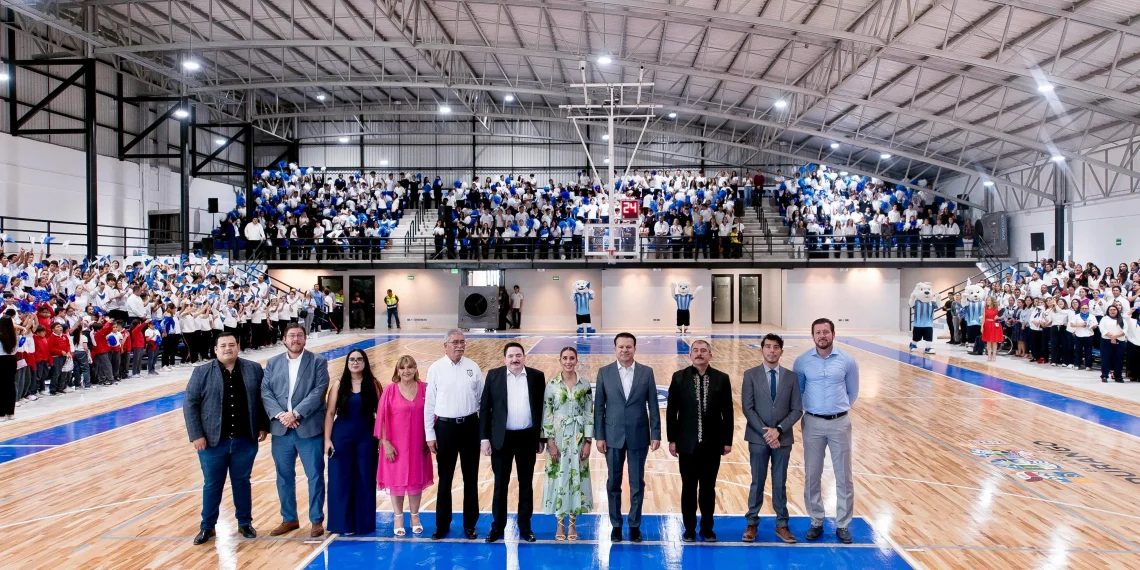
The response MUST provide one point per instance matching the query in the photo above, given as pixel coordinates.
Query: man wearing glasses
(451, 424)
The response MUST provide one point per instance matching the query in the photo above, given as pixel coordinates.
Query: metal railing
(113, 240)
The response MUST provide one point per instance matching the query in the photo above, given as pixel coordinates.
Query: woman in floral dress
(568, 425)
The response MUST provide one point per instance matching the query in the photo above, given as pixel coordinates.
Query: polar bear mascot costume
(973, 311)
(582, 297)
(923, 302)
(683, 294)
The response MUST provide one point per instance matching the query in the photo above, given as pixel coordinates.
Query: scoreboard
(630, 209)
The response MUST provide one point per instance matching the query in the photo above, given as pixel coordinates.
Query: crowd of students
(68, 325)
(1062, 314)
(829, 212)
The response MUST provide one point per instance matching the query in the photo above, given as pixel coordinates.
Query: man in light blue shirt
(829, 382)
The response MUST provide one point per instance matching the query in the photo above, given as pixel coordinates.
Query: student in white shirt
(1081, 325)
(1060, 342)
(1112, 344)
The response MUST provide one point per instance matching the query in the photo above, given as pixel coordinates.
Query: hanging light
(219, 142)
(988, 183)
(343, 139)
(780, 104)
(509, 98)
(191, 65)
(605, 137)
(320, 97)
(1045, 87)
(834, 145)
(444, 109)
(181, 114)
(604, 60)
(885, 156)
(672, 115)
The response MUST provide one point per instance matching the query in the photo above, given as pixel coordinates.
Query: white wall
(46, 181)
(855, 299)
(548, 304)
(1094, 228)
(640, 299)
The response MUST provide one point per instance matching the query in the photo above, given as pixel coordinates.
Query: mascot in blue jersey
(683, 294)
(923, 302)
(582, 297)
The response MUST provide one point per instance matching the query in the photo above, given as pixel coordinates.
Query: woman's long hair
(370, 388)
(7, 334)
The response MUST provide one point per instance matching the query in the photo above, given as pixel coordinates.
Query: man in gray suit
(225, 420)
(627, 422)
(770, 396)
(293, 394)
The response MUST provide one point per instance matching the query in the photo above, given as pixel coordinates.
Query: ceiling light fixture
(604, 60)
(3, 76)
(181, 114)
(219, 141)
(607, 161)
(343, 139)
(884, 156)
(444, 109)
(383, 163)
(1045, 88)
(672, 115)
(1058, 158)
(780, 104)
(509, 98)
(191, 65)
(605, 137)
(320, 97)
(844, 173)
(834, 145)
(988, 183)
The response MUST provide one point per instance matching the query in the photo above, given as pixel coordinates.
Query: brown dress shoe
(750, 533)
(284, 528)
(785, 535)
(317, 530)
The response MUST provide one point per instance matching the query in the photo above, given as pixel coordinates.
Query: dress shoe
(528, 535)
(615, 535)
(843, 535)
(814, 533)
(635, 535)
(203, 536)
(470, 533)
(750, 533)
(786, 535)
(689, 536)
(317, 530)
(284, 528)
(708, 536)
(439, 533)
(493, 536)
(246, 531)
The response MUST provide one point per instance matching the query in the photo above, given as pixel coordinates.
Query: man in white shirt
(254, 235)
(516, 308)
(451, 425)
(510, 424)
(293, 394)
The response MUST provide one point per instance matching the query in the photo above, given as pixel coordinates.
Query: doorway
(750, 288)
(722, 299)
(335, 285)
(362, 306)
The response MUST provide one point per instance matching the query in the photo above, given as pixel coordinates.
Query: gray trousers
(615, 461)
(759, 455)
(820, 435)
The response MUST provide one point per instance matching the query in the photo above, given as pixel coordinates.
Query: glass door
(750, 286)
(722, 297)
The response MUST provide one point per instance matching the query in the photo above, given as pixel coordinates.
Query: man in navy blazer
(293, 393)
(225, 420)
(627, 422)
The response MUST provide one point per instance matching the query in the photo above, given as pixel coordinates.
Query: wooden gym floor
(957, 465)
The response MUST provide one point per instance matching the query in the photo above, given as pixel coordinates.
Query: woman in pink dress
(405, 463)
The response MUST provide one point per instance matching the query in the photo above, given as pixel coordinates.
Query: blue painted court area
(604, 345)
(662, 548)
(1113, 419)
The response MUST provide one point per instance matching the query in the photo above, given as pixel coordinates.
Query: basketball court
(956, 466)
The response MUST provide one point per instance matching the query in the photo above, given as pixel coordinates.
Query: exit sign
(555, 278)
(1117, 241)
(455, 270)
(411, 277)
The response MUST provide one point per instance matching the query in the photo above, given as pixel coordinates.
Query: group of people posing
(372, 436)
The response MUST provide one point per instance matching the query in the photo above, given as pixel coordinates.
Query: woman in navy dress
(351, 449)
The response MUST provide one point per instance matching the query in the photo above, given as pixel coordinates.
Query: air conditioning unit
(478, 307)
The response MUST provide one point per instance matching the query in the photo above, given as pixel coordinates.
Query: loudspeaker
(212, 205)
(1037, 241)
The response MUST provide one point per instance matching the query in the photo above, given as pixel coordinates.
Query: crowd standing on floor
(377, 437)
(1059, 314)
(828, 212)
(76, 325)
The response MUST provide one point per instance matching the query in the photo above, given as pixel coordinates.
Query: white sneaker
(33, 397)
(19, 403)
(69, 389)
(44, 392)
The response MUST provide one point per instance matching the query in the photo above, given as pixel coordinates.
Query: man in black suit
(510, 425)
(699, 422)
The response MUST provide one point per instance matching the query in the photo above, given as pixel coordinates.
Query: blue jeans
(286, 448)
(393, 314)
(236, 457)
(81, 372)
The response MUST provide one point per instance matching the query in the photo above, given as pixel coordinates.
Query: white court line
(791, 506)
(313, 556)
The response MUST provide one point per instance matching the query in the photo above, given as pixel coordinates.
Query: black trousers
(521, 448)
(457, 442)
(698, 479)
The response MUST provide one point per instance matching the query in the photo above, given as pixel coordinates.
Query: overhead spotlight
(988, 183)
(3, 76)
(1057, 158)
(605, 137)
(672, 115)
(606, 160)
(604, 60)
(181, 114)
(884, 156)
(834, 145)
(191, 65)
(780, 104)
(509, 98)
(1045, 87)
(343, 139)
(383, 163)
(844, 173)
(320, 97)
(444, 109)
(219, 142)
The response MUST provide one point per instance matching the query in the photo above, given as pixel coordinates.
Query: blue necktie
(772, 375)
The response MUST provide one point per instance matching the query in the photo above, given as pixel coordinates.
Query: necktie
(772, 375)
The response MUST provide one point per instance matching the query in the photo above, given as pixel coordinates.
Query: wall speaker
(212, 205)
(1037, 241)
